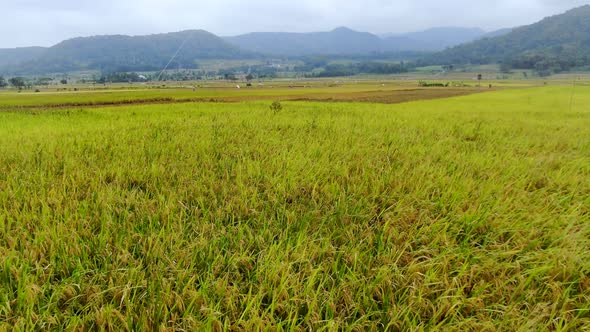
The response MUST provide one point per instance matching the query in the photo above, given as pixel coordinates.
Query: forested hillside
(554, 44)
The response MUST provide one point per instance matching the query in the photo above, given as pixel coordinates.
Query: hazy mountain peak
(340, 41)
(432, 39)
(343, 30)
(111, 53)
(579, 11)
(560, 38)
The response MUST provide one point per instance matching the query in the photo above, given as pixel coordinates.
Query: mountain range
(122, 53)
(14, 56)
(431, 40)
(558, 41)
(336, 42)
(344, 41)
(555, 43)
(147, 53)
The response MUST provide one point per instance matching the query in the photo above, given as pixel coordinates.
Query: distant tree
(505, 67)
(64, 81)
(249, 77)
(18, 82)
(3, 83)
(367, 67)
(229, 77)
(43, 81)
(124, 77)
(316, 61)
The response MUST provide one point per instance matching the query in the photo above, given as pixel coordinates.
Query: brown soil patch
(392, 96)
(380, 96)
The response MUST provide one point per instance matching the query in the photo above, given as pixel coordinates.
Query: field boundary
(378, 96)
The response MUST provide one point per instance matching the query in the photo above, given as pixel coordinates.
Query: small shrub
(276, 107)
(430, 85)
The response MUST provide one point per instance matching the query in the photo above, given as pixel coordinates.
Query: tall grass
(470, 213)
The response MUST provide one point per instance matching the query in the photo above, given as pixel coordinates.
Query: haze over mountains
(124, 53)
(344, 41)
(560, 41)
(566, 36)
(434, 39)
(336, 42)
(146, 53)
(14, 56)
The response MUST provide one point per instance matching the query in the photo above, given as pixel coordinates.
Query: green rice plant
(470, 213)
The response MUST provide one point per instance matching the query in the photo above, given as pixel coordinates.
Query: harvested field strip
(380, 96)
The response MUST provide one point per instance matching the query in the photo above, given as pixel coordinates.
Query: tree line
(312, 67)
(17, 82)
(23, 83)
(555, 44)
(370, 67)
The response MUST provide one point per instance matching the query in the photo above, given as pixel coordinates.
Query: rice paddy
(463, 213)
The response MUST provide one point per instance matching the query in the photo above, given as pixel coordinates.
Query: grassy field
(279, 91)
(468, 213)
(362, 89)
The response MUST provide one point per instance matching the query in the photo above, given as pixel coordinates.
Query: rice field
(458, 214)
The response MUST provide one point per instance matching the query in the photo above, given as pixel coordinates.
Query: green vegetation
(113, 54)
(369, 67)
(13, 56)
(124, 53)
(469, 213)
(18, 82)
(340, 41)
(433, 85)
(344, 41)
(122, 78)
(434, 39)
(553, 45)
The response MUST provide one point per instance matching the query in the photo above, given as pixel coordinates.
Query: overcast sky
(46, 22)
